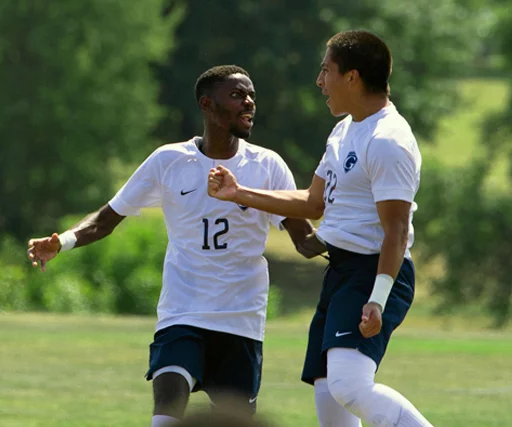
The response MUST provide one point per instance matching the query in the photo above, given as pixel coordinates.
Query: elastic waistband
(338, 255)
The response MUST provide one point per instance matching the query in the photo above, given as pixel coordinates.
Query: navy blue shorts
(348, 283)
(220, 362)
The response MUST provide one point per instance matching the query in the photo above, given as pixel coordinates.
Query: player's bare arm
(394, 217)
(308, 204)
(303, 237)
(93, 227)
(312, 246)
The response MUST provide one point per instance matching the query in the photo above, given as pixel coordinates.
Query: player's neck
(218, 144)
(367, 105)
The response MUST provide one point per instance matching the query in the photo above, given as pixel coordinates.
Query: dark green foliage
(281, 44)
(75, 91)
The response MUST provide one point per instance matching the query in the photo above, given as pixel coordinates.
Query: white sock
(163, 421)
(329, 412)
(350, 376)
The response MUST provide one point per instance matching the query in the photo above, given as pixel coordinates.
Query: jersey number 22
(332, 182)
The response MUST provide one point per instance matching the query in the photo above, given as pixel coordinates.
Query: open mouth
(247, 119)
(324, 93)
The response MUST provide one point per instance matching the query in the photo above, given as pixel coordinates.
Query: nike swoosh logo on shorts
(340, 334)
(253, 399)
(186, 192)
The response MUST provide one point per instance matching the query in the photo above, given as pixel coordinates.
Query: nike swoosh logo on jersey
(340, 334)
(244, 208)
(186, 192)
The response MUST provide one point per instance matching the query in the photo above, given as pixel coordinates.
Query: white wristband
(381, 289)
(67, 240)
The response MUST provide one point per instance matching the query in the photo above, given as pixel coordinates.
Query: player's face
(234, 106)
(335, 85)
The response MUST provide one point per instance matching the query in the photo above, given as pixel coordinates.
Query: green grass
(459, 137)
(88, 371)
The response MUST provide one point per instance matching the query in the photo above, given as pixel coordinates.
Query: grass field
(459, 138)
(88, 371)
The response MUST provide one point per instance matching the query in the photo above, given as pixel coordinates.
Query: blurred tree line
(465, 221)
(89, 85)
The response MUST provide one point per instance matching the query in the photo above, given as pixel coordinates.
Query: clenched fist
(371, 320)
(222, 184)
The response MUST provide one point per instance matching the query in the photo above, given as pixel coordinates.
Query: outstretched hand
(371, 320)
(40, 251)
(222, 184)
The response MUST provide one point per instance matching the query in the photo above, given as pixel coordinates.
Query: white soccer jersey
(366, 162)
(215, 276)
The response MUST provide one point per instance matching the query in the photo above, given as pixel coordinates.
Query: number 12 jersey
(215, 276)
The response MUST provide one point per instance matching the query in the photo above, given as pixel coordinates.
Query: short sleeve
(142, 190)
(281, 179)
(321, 170)
(393, 169)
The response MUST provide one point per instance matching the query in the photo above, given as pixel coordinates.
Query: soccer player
(212, 307)
(364, 186)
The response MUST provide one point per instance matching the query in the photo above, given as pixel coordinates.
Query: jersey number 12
(224, 228)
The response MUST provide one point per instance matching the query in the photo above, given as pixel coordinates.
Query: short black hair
(220, 73)
(365, 52)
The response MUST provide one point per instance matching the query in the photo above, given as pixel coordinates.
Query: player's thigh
(344, 316)
(315, 362)
(233, 366)
(401, 297)
(345, 310)
(178, 345)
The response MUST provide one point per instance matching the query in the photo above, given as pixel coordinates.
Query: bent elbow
(399, 235)
(316, 215)
(317, 211)
(404, 234)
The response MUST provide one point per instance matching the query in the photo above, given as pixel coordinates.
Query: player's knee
(348, 374)
(344, 389)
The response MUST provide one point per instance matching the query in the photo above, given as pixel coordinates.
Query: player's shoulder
(257, 153)
(169, 153)
(177, 148)
(393, 129)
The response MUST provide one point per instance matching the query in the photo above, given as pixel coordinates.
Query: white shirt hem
(209, 326)
(393, 194)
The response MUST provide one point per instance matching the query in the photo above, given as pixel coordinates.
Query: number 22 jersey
(215, 276)
(367, 162)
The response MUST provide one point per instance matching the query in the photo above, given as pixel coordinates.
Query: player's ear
(205, 103)
(353, 76)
